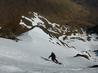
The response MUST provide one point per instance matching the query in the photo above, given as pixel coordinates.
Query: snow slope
(25, 55)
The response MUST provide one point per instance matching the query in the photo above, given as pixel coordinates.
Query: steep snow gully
(25, 55)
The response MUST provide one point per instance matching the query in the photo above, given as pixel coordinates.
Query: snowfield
(25, 55)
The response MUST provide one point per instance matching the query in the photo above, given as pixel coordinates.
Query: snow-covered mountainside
(25, 55)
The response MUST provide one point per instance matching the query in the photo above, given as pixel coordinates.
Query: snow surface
(25, 55)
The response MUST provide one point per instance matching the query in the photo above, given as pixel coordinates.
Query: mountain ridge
(64, 12)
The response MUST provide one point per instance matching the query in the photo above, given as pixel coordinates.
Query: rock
(80, 55)
(94, 66)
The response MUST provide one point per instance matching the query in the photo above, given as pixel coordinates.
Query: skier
(53, 57)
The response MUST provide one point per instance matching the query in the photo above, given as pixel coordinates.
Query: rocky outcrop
(94, 66)
(84, 55)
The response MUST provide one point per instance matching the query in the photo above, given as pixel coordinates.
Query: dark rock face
(94, 66)
(96, 52)
(12, 10)
(62, 12)
(93, 30)
(90, 3)
(80, 55)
